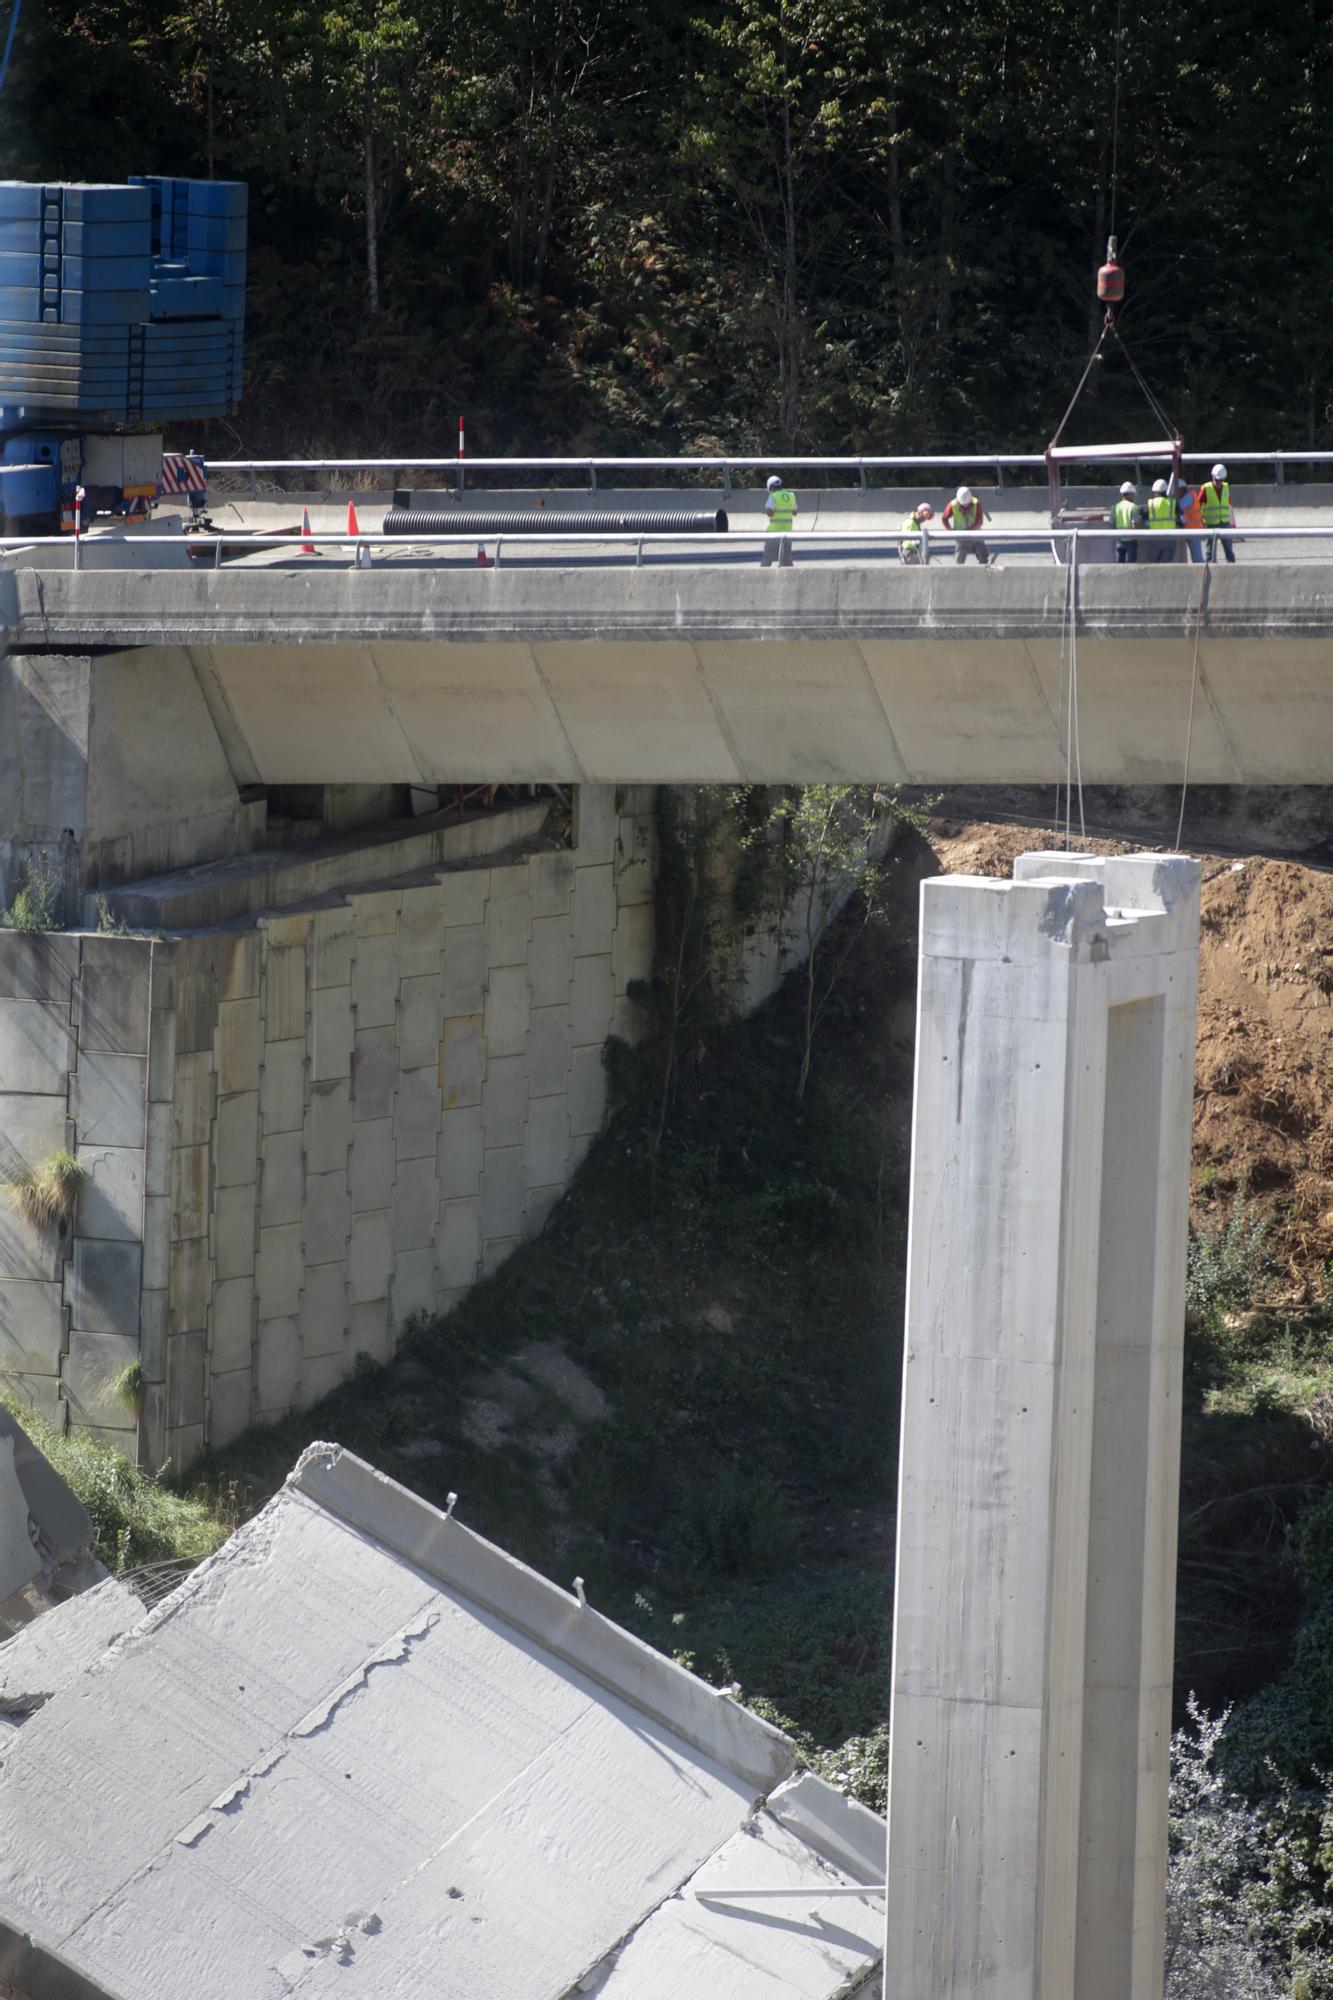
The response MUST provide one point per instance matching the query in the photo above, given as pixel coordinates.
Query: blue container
(97, 203)
(216, 232)
(48, 270)
(230, 198)
(20, 201)
(27, 490)
(104, 308)
(226, 265)
(107, 239)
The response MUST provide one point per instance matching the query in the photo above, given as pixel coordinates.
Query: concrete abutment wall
(301, 1130)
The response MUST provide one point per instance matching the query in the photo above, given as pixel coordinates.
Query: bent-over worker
(909, 548)
(1128, 514)
(780, 507)
(963, 516)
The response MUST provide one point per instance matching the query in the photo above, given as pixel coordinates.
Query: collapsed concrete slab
(361, 1750)
(46, 1536)
(1041, 1431)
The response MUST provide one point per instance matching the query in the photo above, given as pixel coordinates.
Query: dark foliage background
(826, 224)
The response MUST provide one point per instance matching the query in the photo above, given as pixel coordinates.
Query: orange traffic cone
(352, 526)
(483, 560)
(307, 546)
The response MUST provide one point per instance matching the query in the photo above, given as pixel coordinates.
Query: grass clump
(50, 1192)
(136, 1519)
(36, 907)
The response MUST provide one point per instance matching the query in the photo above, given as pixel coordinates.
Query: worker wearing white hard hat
(1164, 514)
(1127, 514)
(780, 507)
(1215, 500)
(963, 516)
(909, 548)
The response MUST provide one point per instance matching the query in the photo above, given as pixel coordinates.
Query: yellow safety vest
(784, 510)
(967, 515)
(1216, 504)
(1161, 511)
(1125, 510)
(911, 532)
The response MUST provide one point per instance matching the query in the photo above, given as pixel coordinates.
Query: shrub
(1224, 1263)
(135, 1520)
(1215, 1931)
(734, 1524)
(48, 1193)
(37, 904)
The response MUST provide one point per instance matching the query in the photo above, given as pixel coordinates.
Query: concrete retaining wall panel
(94, 1364)
(112, 996)
(461, 1152)
(104, 1287)
(282, 1179)
(111, 1201)
(234, 1232)
(32, 1127)
(231, 1324)
(329, 1125)
(300, 1135)
(370, 1173)
(35, 1047)
(32, 1326)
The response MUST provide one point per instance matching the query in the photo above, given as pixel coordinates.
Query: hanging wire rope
(1115, 113)
(1194, 687)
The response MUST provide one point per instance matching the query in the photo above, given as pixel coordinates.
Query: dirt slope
(1263, 1103)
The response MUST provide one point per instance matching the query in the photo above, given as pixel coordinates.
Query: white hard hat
(1219, 472)
(774, 482)
(964, 494)
(1159, 486)
(925, 512)
(1128, 487)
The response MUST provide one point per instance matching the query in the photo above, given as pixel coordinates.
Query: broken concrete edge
(62, 1523)
(38, 1972)
(51, 1651)
(460, 1560)
(840, 1829)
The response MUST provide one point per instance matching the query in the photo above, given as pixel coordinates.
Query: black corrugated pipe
(546, 521)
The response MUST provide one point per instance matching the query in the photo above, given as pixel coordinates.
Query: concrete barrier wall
(303, 1132)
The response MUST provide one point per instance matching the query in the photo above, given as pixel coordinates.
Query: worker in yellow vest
(963, 516)
(1215, 502)
(1128, 514)
(780, 507)
(1163, 513)
(909, 548)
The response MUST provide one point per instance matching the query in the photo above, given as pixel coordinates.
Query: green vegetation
(137, 1519)
(49, 1192)
(728, 224)
(36, 907)
(1224, 1266)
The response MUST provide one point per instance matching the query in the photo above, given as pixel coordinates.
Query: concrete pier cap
(1040, 1438)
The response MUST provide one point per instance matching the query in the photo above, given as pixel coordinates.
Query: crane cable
(1194, 688)
(14, 13)
(1115, 112)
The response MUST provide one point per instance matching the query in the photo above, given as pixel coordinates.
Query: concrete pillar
(1040, 1432)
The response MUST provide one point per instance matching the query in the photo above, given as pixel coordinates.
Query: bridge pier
(1040, 1434)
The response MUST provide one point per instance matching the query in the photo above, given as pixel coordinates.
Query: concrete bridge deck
(622, 675)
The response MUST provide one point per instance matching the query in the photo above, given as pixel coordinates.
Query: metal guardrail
(889, 539)
(728, 464)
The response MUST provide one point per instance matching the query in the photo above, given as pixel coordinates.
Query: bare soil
(1263, 1098)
